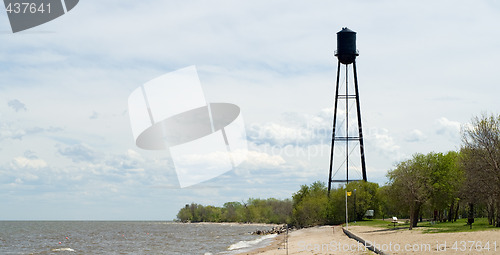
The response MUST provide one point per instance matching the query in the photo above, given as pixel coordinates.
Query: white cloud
(297, 129)
(383, 143)
(134, 155)
(263, 160)
(448, 128)
(23, 162)
(416, 136)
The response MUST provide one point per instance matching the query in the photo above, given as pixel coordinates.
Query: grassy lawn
(460, 225)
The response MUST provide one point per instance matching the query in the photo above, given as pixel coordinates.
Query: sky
(66, 146)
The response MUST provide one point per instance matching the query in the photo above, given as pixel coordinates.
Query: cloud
(263, 169)
(415, 136)
(258, 159)
(79, 153)
(449, 128)
(296, 129)
(129, 161)
(32, 163)
(17, 105)
(383, 142)
(124, 171)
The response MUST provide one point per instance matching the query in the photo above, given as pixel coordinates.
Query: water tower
(344, 135)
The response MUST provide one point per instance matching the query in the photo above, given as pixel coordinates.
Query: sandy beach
(314, 240)
(332, 240)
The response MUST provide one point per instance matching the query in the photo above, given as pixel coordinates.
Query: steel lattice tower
(346, 54)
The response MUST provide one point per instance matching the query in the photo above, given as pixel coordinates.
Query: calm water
(105, 237)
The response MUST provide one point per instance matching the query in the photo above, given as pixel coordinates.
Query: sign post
(346, 214)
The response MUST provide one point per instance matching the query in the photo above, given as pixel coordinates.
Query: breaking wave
(250, 244)
(63, 249)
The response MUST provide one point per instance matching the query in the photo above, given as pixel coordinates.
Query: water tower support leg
(333, 131)
(361, 144)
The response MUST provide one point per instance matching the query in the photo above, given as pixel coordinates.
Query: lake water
(126, 237)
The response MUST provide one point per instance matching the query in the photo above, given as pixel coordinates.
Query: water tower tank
(346, 46)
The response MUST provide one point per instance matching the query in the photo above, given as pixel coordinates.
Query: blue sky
(66, 147)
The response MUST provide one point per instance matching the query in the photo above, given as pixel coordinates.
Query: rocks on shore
(274, 230)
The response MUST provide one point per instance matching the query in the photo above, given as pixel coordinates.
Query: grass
(480, 224)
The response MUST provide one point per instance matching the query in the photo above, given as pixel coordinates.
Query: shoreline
(276, 244)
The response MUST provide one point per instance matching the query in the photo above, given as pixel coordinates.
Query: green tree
(446, 178)
(281, 210)
(364, 197)
(212, 214)
(336, 206)
(410, 184)
(310, 205)
(184, 215)
(387, 206)
(232, 212)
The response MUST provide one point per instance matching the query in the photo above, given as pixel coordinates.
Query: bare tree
(481, 161)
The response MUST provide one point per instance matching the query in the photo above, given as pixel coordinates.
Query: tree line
(309, 206)
(435, 186)
(271, 210)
